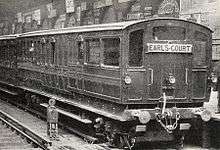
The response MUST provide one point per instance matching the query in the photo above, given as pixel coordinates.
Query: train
(125, 82)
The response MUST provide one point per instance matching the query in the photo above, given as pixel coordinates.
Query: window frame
(102, 53)
(86, 62)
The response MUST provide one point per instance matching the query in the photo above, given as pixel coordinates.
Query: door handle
(186, 76)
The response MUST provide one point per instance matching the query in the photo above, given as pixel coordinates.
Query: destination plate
(169, 48)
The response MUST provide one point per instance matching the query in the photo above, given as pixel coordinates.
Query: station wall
(46, 14)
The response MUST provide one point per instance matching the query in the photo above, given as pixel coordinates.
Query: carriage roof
(98, 27)
(91, 28)
(7, 37)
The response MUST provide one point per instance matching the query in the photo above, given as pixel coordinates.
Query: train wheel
(123, 142)
(119, 141)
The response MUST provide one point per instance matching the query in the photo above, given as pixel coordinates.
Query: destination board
(169, 48)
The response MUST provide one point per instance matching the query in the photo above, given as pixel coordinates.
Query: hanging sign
(168, 7)
(70, 6)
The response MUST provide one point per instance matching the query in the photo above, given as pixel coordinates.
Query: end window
(111, 51)
(199, 54)
(136, 48)
(169, 33)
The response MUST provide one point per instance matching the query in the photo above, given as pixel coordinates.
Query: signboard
(169, 48)
(70, 6)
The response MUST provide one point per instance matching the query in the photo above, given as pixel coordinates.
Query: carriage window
(199, 54)
(136, 48)
(111, 51)
(169, 33)
(93, 51)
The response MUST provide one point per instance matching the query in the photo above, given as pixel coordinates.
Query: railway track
(31, 131)
(12, 136)
(34, 142)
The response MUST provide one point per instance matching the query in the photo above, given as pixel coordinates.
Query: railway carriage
(128, 82)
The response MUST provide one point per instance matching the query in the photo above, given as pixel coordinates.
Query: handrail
(151, 75)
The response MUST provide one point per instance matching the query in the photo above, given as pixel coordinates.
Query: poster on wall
(36, 16)
(49, 8)
(19, 17)
(51, 11)
(70, 6)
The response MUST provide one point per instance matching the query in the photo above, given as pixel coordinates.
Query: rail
(25, 131)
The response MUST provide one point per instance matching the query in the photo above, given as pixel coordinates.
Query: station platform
(66, 140)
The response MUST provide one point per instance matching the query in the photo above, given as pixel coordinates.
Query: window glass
(93, 51)
(136, 48)
(199, 53)
(169, 33)
(111, 51)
